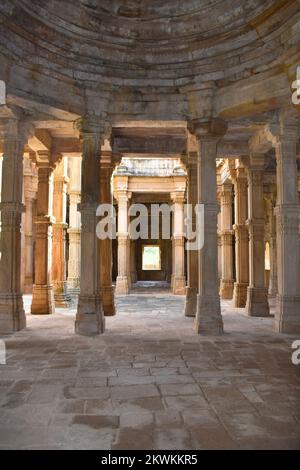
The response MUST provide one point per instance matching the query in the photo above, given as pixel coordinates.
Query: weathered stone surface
(238, 391)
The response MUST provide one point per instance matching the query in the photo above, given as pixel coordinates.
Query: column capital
(285, 130)
(225, 190)
(44, 160)
(15, 127)
(92, 127)
(122, 195)
(178, 197)
(75, 196)
(226, 196)
(207, 130)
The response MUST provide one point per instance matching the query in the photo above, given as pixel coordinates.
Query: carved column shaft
(192, 258)
(30, 191)
(287, 317)
(90, 318)
(208, 318)
(178, 277)
(12, 316)
(273, 282)
(123, 282)
(241, 238)
(257, 295)
(74, 231)
(226, 233)
(42, 292)
(59, 234)
(106, 244)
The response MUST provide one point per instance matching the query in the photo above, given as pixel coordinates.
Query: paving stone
(96, 421)
(136, 420)
(132, 439)
(172, 439)
(168, 419)
(181, 389)
(133, 391)
(149, 382)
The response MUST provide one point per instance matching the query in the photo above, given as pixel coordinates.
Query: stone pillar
(208, 317)
(257, 296)
(42, 292)
(287, 316)
(226, 233)
(133, 275)
(12, 316)
(74, 230)
(192, 258)
(273, 289)
(30, 191)
(241, 237)
(178, 277)
(90, 317)
(219, 248)
(122, 196)
(107, 290)
(62, 299)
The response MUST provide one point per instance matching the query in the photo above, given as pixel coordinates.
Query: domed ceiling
(122, 38)
(145, 43)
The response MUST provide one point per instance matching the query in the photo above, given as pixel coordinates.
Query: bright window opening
(151, 258)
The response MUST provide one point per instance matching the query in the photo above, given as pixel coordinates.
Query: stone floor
(149, 383)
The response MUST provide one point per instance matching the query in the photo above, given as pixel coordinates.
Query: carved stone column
(122, 196)
(13, 136)
(178, 277)
(192, 258)
(133, 275)
(241, 237)
(30, 192)
(257, 294)
(226, 233)
(107, 290)
(219, 242)
(273, 282)
(42, 292)
(284, 138)
(90, 317)
(208, 317)
(62, 299)
(74, 230)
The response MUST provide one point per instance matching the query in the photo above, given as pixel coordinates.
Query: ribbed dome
(121, 39)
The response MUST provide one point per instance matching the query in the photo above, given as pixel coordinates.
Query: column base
(73, 292)
(179, 285)
(287, 314)
(62, 300)
(73, 287)
(257, 302)
(42, 300)
(208, 317)
(61, 297)
(239, 295)
(273, 292)
(226, 289)
(90, 320)
(122, 285)
(190, 307)
(12, 315)
(108, 301)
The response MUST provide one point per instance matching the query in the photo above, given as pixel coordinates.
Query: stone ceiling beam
(41, 141)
